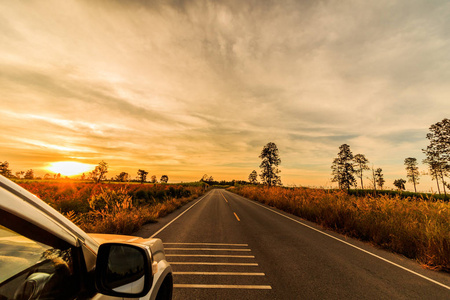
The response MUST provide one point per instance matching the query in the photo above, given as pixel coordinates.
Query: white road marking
(207, 249)
(351, 245)
(152, 236)
(223, 286)
(224, 197)
(208, 244)
(220, 273)
(207, 255)
(214, 264)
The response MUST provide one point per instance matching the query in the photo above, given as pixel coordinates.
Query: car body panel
(23, 204)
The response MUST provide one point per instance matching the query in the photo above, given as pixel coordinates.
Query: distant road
(224, 246)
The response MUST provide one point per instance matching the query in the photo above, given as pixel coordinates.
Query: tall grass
(413, 227)
(113, 208)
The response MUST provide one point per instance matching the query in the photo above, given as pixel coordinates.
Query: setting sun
(69, 168)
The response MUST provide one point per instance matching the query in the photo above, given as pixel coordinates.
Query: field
(112, 208)
(414, 227)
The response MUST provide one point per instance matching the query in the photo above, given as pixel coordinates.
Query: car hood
(155, 245)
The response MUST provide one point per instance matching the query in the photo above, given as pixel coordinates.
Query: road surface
(223, 246)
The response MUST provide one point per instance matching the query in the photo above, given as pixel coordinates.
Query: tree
(83, 176)
(153, 180)
(400, 183)
(253, 177)
(438, 168)
(122, 177)
(19, 174)
(379, 177)
(99, 173)
(164, 179)
(438, 152)
(269, 165)
(342, 168)
(412, 171)
(361, 164)
(4, 169)
(29, 174)
(142, 175)
(47, 176)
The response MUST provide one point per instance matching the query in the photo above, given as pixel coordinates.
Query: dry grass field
(414, 227)
(113, 208)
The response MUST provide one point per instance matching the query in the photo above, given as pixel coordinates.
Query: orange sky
(185, 88)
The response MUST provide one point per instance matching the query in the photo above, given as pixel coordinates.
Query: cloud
(202, 86)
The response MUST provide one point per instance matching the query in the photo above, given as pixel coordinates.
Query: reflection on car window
(17, 253)
(32, 270)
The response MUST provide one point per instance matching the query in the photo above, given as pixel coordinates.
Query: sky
(186, 88)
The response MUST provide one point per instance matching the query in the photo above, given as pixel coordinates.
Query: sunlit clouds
(185, 88)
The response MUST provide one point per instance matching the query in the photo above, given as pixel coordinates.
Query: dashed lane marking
(208, 255)
(223, 286)
(207, 249)
(351, 245)
(208, 244)
(213, 263)
(220, 273)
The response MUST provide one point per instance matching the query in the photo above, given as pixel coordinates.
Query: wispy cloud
(193, 87)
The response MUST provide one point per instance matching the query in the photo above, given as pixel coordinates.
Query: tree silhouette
(269, 165)
(361, 165)
(253, 177)
(153, 180)
(142, 175)
(400, 183)
(4, 169)
(342, 168)
(99, 173)
(29, 174)
(438, 152)
(412, 171)
(164, 179)
(379, 177)
(122, 177)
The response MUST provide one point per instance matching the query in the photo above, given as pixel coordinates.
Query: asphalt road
(223, 246)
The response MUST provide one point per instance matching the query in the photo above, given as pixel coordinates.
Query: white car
(45, 256)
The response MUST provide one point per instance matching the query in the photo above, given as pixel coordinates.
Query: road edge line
(349, 244)
(201, 198)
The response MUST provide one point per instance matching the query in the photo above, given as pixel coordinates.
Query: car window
(33, 270)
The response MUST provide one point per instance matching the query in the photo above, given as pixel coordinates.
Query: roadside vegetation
(414, 227)
(113, 208)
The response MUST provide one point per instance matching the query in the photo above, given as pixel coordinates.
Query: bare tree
(269, 165)
(412, 171)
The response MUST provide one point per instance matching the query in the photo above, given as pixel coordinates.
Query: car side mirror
(124, 270)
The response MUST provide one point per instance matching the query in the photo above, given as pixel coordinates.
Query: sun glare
(69, 168)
